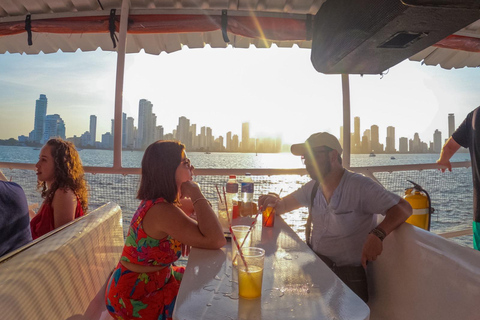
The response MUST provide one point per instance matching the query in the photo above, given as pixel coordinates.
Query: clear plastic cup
(250, 276)
(240, 232)
(222, 216)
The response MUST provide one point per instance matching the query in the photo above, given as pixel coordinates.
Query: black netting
(451, 192)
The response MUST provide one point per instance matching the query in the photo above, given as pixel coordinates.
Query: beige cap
(320, 139)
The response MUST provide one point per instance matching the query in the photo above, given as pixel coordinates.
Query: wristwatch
(379, 233)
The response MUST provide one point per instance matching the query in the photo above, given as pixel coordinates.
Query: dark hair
(68, 172)
(159, 165)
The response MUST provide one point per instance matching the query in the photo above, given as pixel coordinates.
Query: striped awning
(34, 26)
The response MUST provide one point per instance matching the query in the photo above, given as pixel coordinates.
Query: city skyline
(276, 90)
(149, 131)
(369, 142)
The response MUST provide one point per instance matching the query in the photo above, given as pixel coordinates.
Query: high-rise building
(437, 141)
(235, 143)
(341, 136)
(192, 133)
(451, 124)
(366, 142)
(54, 127)
(124, 130)
(416, 146)
(403, 145)
(390, 142)
(245, 136)
(146, 123)
(356, 146)
(183, 131)
(375, 140)
(130, 131)
(229, 141)
(209, 138)
(159, 133)
(93, 130)
(203, 137)
(40, 114)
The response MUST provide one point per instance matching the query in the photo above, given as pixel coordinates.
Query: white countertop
(296, 283)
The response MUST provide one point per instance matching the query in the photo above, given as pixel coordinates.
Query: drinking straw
(250, 229)
(238, 249)
(219, 197)
(226, 207)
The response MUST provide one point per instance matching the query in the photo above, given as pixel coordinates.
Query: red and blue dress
(148, 295)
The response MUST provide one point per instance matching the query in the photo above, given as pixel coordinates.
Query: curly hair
(68, 172)
(159, 164)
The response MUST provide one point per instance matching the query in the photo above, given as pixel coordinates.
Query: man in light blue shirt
(343, 207)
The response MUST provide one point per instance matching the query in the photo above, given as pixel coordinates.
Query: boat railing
(451, 192)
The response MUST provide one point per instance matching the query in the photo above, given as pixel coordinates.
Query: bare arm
(167, 219)
(64, 204)
(394, 217)
(448, 150)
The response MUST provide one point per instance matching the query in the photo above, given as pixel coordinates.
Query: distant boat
(36, 148)
(207, 152)
(392, 157)
(372, 154)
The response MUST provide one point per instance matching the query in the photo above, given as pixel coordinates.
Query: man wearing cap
(342, 225)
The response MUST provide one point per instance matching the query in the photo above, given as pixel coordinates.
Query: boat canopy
(156, 26)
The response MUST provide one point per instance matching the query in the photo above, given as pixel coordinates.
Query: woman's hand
(190, 189)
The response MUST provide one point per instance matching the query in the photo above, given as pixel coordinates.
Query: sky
(276, 90)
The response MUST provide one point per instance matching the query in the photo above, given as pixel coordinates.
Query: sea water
(454, 197)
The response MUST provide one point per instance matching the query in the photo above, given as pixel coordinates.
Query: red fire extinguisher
(419, 199)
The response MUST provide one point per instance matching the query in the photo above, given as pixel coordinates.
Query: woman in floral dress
(145, 283)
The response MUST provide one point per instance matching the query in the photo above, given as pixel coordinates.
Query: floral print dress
(148, 295)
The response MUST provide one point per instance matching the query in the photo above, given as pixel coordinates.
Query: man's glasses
(314, 154)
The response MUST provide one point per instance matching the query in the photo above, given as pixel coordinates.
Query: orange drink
(268, 216)
(250, 282)
(250, 272)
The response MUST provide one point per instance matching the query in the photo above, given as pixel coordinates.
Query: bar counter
(296, 283)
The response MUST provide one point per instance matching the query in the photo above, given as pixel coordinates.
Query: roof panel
(157, 43)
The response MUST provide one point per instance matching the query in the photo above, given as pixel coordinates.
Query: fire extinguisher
(419, 199)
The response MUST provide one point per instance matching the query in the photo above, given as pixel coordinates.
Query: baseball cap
(320, 139)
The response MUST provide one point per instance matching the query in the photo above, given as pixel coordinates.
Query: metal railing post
(122, 42)
(346, 121)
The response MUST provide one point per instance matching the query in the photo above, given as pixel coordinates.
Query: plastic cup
(250, 276)
(240, 232)
(268, 216)
(222, 216)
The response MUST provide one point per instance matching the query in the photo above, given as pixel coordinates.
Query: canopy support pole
(346, 120)
(117, 127)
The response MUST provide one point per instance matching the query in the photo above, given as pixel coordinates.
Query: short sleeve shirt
(14, 218)
(340, 227)
(468, 136)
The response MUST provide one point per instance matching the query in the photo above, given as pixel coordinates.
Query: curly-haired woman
(145, 283)
(61, 180)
